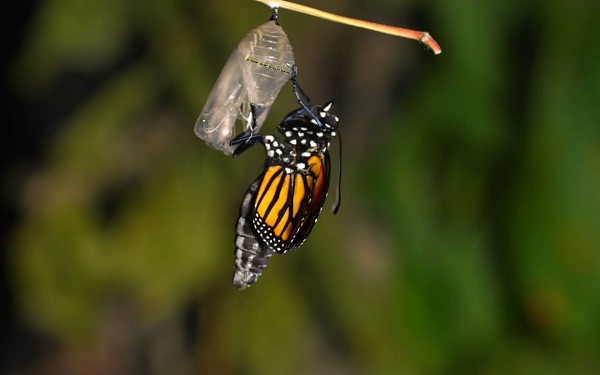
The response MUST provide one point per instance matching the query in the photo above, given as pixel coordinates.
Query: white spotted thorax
(305, 136)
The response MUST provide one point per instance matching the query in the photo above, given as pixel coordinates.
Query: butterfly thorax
(304, 137)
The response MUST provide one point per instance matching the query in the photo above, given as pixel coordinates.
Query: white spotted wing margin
(251, 253)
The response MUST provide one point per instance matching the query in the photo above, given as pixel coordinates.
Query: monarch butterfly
(282, 205)
(253, 75)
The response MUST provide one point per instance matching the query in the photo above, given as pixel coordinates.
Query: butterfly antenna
(338, 198)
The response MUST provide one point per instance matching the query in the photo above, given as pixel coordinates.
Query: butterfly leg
(299, 91)
(247, 139)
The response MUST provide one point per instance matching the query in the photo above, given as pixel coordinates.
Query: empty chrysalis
(254, 74)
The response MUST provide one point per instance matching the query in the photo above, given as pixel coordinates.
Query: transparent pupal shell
(267, 66)
(254, 74)
(216, 123)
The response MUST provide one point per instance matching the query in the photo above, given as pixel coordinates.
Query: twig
(421, 36)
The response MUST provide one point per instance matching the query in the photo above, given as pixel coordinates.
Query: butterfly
(281, 207)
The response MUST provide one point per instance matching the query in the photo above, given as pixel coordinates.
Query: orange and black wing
(289, 201)
(317, 181)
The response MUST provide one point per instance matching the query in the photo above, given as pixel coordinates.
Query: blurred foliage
(469, 235)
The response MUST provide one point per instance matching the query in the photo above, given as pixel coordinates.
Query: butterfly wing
(317, 182)
(289, 201)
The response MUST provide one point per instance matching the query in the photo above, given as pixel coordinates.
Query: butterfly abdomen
(251, 253)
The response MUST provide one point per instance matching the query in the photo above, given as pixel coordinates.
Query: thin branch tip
(423, 37)
(428, 40)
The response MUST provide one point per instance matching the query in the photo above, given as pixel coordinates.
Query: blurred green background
(469, 235)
